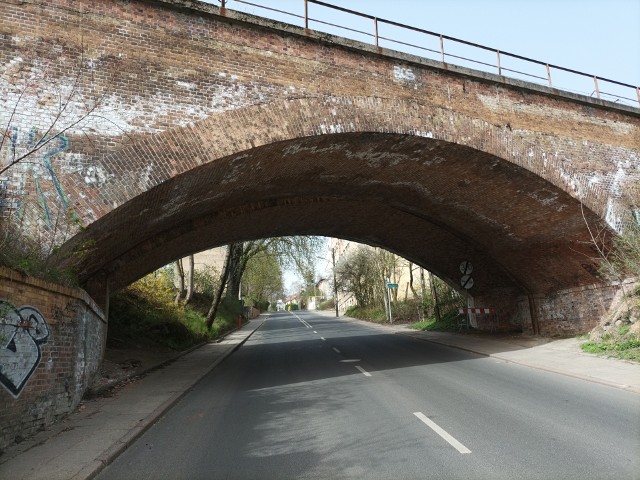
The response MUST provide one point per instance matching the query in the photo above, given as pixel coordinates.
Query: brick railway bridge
(166, 127)
(181, 126)
(216, 126)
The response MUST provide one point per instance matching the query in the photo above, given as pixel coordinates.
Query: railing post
(595, 82)
(499, 66)
(306, 15)
(442, 48)
(375, 26)
(638, 94)
(222, 3)
(549, 75)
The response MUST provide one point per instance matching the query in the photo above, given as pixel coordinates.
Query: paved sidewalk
(81, 445)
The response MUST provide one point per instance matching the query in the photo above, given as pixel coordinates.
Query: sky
(597, 37)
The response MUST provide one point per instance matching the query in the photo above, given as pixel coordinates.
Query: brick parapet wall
(69, 355)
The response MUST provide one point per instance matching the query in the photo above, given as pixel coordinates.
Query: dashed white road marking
(315, 331)
(440, 431)
(335, 350)
(350, 360)
(322, 338)
(363, 371)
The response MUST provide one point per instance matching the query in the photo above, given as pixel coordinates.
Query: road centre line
(363, 371)
(302, 321)
(322, 338)
(315, 331)
(335, 350)
(440, 431)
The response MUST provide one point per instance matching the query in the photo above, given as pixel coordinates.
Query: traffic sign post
(389, 286)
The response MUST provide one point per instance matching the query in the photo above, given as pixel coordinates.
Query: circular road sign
(466, 282)
(466, 268)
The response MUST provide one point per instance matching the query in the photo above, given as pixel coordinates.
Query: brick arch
(373, 170)
(155, 159)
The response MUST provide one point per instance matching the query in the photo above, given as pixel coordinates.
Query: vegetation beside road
(146, 314)
(411, 312)
(447, 323)
(627, 350)
(618, 334)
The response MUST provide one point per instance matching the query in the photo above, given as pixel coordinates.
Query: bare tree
(190, 285)
(299, 251)
(224, 276)
(44, 89)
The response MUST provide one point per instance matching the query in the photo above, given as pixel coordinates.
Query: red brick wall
(69, 355)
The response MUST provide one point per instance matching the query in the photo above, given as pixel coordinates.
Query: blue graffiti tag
(53, 145)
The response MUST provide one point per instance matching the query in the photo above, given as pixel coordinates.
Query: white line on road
(436, 428)
(350, 360)
(335, 349)
(315, 331)
(302, 321)
(322, 338)
(364, 372)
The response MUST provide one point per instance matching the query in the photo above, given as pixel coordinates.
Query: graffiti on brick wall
(39, 151)
(22, 331)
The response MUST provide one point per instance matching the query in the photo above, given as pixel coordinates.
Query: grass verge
(628, 350)
(447, 323)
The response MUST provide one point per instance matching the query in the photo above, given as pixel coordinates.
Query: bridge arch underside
(434, 202)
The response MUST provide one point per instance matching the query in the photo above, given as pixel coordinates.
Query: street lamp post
(335, 282)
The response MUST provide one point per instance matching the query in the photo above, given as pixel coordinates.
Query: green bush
(263, 306)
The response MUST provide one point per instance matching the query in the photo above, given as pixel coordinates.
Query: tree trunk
(180, 274)
(413, 289)
(237, 264)
(211, 315)
(423, 288)
(190, 286)
(434, 293)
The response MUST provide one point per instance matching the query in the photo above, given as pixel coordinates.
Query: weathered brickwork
(569, 311)
(44, 367)
(210, 128)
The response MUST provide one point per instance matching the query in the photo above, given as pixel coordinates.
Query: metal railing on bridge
(603, 88)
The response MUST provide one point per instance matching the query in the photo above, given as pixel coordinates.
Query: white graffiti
(22, 331)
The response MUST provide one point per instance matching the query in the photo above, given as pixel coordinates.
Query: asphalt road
(315, 397)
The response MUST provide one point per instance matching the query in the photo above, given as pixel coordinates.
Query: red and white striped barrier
(476, 310)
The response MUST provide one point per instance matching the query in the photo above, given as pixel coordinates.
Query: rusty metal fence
(447, 50)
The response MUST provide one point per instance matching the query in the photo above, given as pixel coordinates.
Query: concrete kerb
(95, 467)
